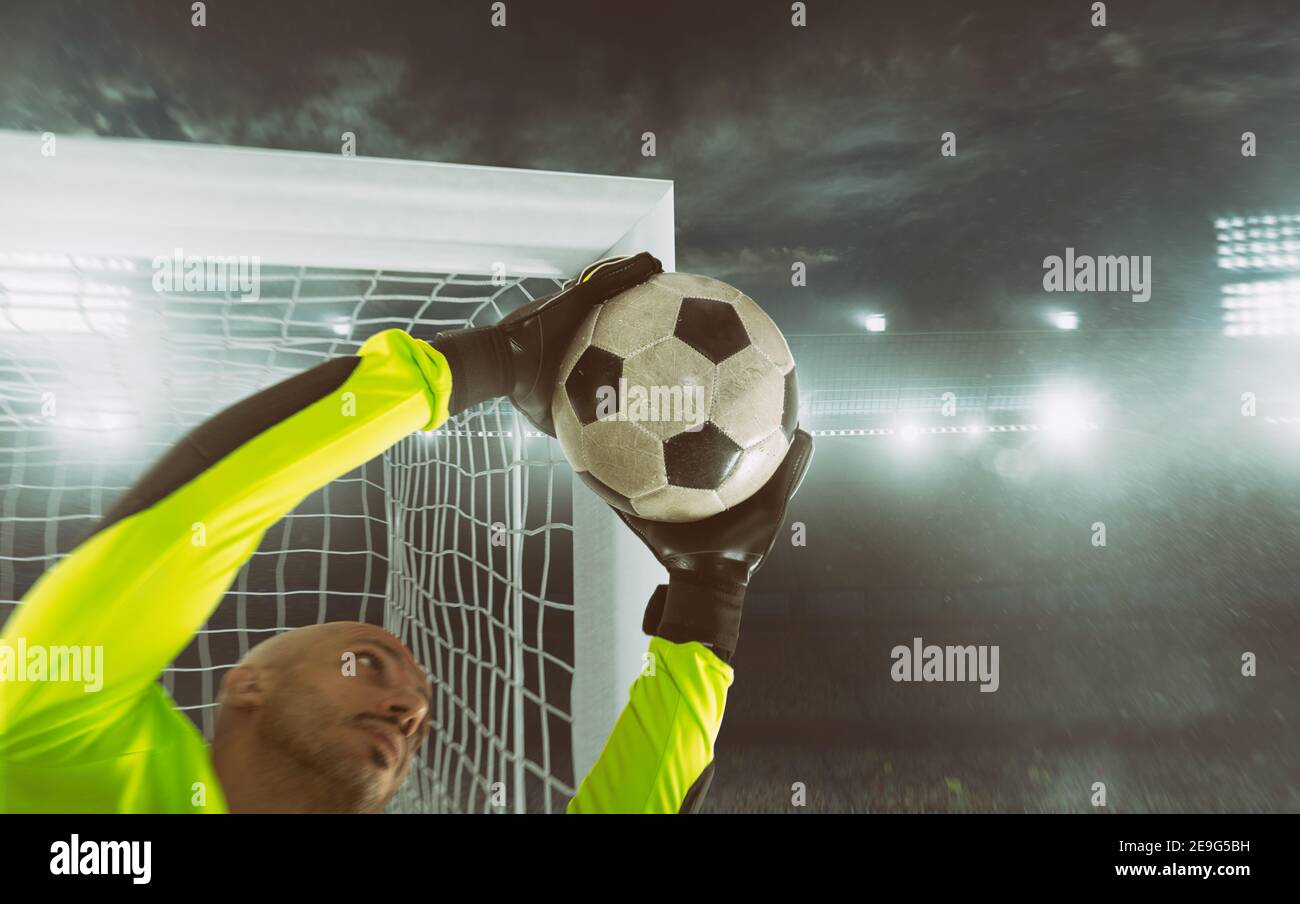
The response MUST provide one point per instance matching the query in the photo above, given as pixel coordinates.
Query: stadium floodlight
(1066, 320)
(875, 323)
(1268, 242)
(1065, 414)
(410, 539)
(1262, 308)
(908, 435)
(110, 426)
(42, 315)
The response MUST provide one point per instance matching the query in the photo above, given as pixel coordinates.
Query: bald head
(283, 650)
(340, 707)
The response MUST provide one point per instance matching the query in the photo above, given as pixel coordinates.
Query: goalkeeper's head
(324, 718)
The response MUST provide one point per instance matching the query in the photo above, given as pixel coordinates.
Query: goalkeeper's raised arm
(295, 731)
(659, 758)
(149, 577)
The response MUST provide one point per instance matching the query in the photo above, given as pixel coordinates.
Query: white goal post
(347, 246)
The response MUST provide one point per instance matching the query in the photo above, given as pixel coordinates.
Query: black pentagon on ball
(790, 405)
(594, 369)
(700, 460)
(711, 327)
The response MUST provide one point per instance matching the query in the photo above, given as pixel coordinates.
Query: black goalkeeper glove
(520, 356)
(710, 562)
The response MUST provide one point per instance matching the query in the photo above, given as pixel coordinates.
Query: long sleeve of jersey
(150, 577)
(663, 740)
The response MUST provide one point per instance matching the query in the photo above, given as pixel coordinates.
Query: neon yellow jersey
(140, 588)
(664, 737)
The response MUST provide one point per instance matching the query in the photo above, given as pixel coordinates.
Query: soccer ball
(677, 398)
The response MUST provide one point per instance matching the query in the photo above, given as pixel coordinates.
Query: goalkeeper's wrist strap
(689, 608)
(480, 365)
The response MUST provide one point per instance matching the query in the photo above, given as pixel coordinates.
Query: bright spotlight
(1066, 415)
(908, 435)
(875, 323)
(114, 427)
(1264, 308)
(1067, 320)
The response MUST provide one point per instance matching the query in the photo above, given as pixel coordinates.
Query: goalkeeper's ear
(243, 687)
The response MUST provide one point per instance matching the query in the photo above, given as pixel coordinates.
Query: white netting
(459, 541)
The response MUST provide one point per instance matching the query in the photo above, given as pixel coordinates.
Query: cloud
(1123, 52)
(820, 145)
(729, 263)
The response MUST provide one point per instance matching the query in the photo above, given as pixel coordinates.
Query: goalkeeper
(295, 731)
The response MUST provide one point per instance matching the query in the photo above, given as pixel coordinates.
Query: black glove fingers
(538, 333)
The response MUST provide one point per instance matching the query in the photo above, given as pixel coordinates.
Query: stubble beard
(311, 760)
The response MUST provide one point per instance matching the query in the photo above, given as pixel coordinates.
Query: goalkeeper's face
(342, 705)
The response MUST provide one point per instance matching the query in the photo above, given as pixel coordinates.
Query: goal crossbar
(85, 200)
(138, 199)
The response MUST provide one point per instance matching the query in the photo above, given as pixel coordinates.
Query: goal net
(459, 541)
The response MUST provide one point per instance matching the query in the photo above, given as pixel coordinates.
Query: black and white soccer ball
(677, 399)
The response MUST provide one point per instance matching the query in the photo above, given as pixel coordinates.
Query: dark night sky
(817, 144)
(822, 144)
